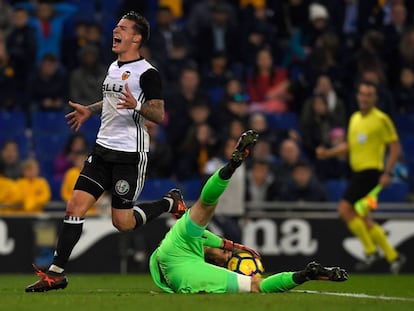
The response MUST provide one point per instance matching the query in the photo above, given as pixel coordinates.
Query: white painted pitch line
(353, 295)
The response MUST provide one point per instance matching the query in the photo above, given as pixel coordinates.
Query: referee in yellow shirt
(370, 132)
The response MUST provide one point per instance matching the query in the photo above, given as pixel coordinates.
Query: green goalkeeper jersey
(178, 265)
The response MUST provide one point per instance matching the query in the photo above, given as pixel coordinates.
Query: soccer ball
(246, 264)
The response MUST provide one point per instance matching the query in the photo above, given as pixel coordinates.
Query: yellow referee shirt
(368, 136)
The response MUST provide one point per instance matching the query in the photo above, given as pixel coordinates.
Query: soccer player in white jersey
(132, 93)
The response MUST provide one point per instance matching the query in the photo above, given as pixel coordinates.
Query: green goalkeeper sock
(213, 189)
(280, 282)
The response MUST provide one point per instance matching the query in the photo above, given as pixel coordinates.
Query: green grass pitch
(137, 292)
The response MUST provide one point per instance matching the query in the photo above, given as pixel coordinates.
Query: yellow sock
(358, 228)
(378, 236)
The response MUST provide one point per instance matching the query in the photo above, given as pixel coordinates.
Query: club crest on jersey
(122, 187)
(125, 75)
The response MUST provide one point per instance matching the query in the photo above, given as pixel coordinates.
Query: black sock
(227, 171)
(299, 277)
(146, 212)
(68, 237)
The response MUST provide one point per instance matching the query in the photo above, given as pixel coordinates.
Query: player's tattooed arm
(95, 108)
(153, 110)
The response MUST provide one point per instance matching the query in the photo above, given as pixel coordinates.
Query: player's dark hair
(368, 83)
(141, 25)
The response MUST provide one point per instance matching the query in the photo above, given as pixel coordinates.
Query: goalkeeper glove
(229, 245)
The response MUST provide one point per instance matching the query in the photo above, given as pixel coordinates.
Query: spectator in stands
(262, 151)
(35, 188)
(72, 174)
(232, 87)
(303, 39)
(10, 194)
(217, 73)
(199, 145)
(7, 77)
(258, 32)
(48, 21)
(393, 33)
(231, 130)
(315, 124)
(303, 186)
(85, 78)
(333, 168)
(200, 112)
(12, 166)
(160, 158)
(200, 15)
(258, 123)
(6, 17)
(267, 85)
(233, 108)
(48, 85)
(21, 46)
(64, 160)
(404, 91)
(220, 35)
(178, 104)
(261, 183)
(324, 58)
(164, 34)
(289, 16)
(324, 87)
(72, 44)
(178, 58)
(289, 155)
(94, 36)
(406, 48)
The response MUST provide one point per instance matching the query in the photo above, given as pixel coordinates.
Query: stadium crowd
(285, 68)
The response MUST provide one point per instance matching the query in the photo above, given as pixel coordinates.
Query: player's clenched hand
(321, 153)
(127, 100)
(231, 246)
(78, 116)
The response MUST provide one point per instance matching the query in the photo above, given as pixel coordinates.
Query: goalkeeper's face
(217, 256)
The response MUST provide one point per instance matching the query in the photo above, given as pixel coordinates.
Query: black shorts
(360, 184)
(121, 174)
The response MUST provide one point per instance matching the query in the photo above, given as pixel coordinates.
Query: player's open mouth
(116, 41)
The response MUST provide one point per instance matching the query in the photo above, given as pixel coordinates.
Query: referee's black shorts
(360, 184)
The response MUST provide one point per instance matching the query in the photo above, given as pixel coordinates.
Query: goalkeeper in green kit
(178, 265)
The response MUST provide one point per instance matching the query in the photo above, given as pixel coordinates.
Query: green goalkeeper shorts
(178, 266)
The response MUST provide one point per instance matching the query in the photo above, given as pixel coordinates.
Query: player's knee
(255, 285)
(122, 225)
(73, 208)
(345, 210)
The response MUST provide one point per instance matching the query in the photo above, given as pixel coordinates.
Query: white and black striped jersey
(123, 129)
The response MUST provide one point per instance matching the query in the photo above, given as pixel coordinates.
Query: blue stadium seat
(335, 188)
(90, 129)
(395, 192)
(191, 188)
(92, 124)
(49, 122)
(405, 124)
(155, 188)
(47, 146)
(55, 186)
(46, 168)
(407, 144)
(282, 121)
(12, 123)
(216, 95)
